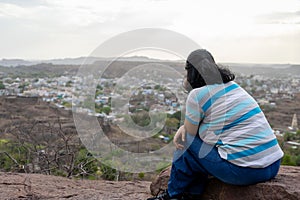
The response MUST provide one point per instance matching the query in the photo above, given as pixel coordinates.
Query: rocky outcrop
(286, 185)
(17, 186)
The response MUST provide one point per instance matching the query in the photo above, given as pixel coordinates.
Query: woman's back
(232, 120)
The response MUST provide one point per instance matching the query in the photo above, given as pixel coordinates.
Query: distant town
(66, 91)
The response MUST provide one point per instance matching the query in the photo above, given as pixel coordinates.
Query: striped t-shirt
(231, 120)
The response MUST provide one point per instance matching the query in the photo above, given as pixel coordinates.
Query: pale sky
(252, 31)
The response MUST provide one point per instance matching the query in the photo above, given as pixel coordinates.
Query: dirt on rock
(14, 186)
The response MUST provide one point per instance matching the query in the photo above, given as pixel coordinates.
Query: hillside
(281, 116)
(118, 67)
(114, 69)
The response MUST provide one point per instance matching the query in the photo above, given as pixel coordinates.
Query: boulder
(22, 186)
(286, 185)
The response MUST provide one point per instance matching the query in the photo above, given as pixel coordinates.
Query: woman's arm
(193, 116)
(180, 135)
(190, 128)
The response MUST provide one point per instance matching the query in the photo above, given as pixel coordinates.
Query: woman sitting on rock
(225, 134)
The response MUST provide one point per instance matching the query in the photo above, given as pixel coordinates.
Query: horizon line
(146, 57)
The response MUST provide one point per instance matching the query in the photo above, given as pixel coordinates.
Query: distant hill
(115, 69)
(64, 61)
(38, 70)
(72, 61)
(270, 70)
(14, 62)
(69, 66)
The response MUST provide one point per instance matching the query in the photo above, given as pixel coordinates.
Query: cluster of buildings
(56, 90)
(154, 97)
(268, 90)
(68, 91)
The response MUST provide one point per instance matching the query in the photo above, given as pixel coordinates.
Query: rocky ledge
(286, 185)
(17, 186)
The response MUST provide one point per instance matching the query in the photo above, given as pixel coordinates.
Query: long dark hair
(202, 70)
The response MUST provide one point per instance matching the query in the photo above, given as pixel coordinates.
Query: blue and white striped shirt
(233, 122)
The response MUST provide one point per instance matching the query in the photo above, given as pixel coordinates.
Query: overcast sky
(253, 31)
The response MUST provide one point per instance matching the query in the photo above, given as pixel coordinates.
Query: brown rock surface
(15, 186)
(286, 185)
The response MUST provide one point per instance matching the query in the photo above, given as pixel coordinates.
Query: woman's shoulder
(214, 87)
(204, 91)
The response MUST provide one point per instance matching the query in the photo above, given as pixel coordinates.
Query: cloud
(279, 18)
(70, 28)
(22, 3)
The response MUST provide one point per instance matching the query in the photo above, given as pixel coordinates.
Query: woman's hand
(179, 137)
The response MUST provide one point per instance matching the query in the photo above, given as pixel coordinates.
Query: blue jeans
(190, 172)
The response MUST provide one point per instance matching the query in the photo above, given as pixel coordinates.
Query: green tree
(108, 173)
(106, 110)
(157, 87)
(99, 87)
(298, 135)
(176, 115)
(24, 85)
(69, 84)
(2, 86)
(142, 118)
(98, 93)
(86, 164)
(66, 104)
(289, 136)
(287, 160)
(172, 122)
